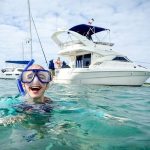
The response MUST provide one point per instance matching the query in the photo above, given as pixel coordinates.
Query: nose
(35, 80)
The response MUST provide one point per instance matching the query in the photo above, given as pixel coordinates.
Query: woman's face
(35, 89)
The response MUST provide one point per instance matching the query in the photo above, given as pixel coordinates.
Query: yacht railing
(70, 43)
(104, 43)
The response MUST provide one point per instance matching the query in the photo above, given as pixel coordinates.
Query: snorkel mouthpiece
(19, 84)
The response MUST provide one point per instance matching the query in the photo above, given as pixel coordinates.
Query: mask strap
(19, 84)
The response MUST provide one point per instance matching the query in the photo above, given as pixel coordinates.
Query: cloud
(128, 21)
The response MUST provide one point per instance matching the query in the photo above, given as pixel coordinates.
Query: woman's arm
(11, 119)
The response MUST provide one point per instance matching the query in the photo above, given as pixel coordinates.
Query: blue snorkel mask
(42, 75)
(19, 84)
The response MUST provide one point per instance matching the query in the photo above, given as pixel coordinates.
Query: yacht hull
(7, 77)
(101, 77)
(10, 73)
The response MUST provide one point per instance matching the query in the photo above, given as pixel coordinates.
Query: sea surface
(84, 117)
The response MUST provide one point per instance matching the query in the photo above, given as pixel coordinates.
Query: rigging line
(40, 41)
(142, 62)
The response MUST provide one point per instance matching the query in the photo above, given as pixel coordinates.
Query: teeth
(35, 88)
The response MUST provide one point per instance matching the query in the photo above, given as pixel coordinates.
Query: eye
(30, 76)
(42, 76)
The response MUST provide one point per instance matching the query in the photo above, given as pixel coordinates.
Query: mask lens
(44, 76)
(27, 76)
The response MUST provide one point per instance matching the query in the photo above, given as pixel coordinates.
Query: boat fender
(19, 84)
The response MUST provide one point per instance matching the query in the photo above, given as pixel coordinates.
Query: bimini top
(87, 30)
(23, 62)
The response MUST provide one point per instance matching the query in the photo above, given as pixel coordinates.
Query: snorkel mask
(33, 75)
(41, 75)
(19, 84)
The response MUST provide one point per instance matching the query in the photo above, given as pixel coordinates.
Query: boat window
(9, 69)
(8, 74)
(3, 70)
(87, 55)
(83, 61)
(20, 70)
(118, 58)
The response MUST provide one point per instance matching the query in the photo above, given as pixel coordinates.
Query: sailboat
(13, 72)
(17, 66)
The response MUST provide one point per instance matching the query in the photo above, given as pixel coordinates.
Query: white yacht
(92, 61)
(14, 71)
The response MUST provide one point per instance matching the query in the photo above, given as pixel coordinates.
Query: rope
(40, 41)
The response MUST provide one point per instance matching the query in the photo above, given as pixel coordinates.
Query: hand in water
(11, 119)
(120, 119)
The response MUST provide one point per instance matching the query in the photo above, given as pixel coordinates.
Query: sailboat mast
(30, 28)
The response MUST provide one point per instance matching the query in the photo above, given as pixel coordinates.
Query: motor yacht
(93, 60)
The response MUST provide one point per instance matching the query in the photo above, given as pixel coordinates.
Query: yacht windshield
(120, 58)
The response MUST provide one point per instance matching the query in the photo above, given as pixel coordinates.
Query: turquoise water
(77, 121)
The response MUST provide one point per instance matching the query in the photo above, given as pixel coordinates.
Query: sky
(128, 21)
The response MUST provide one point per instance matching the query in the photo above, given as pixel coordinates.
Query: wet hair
(36, 65)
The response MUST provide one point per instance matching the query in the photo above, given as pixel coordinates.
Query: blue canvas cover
(23, 62)
(87, 30)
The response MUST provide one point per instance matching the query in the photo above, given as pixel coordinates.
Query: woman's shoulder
(47, 100)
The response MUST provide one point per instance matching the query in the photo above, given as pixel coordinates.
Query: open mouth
(35, 88)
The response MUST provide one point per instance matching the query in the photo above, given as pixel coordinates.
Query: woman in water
(35, 80)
